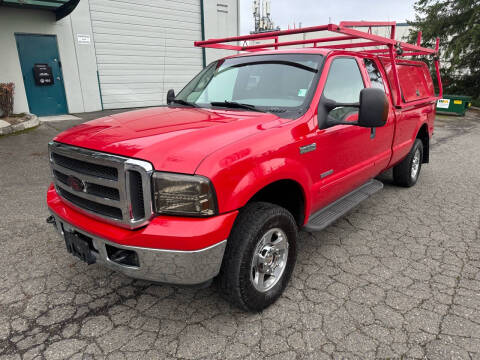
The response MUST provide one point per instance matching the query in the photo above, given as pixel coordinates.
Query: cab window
(343, 85)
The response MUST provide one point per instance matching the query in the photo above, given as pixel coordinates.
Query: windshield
(279, 82)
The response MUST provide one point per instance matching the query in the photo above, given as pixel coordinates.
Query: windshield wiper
(183, 102)
(234, 104)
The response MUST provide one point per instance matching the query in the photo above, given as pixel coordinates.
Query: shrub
(6, 98)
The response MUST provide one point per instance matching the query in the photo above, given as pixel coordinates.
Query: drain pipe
(100, 89)
(202, 22)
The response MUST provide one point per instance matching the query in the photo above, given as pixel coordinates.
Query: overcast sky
(318, 12)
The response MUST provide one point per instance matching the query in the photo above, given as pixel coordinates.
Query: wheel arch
(423, 135)
(287, 193)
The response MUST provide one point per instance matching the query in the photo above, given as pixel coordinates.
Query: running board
(323, 218)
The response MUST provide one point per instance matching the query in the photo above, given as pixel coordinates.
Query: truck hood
(172, 139)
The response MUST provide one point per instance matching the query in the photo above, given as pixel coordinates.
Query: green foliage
(457, 24)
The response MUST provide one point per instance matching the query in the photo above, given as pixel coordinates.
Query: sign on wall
(42, 73)
(83, 39)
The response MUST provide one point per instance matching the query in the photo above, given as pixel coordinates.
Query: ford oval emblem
(75, 183)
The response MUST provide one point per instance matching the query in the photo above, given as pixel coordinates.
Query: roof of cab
(321, 51)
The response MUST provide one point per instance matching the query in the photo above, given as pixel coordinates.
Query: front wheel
(407, 172)
(259, 257)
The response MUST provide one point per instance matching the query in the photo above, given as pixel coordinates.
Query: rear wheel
(407, 172)
(259, 257)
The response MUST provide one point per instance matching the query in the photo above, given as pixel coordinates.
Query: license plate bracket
(79, 247)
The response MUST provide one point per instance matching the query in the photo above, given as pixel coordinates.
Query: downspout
(202, 22)
(238, 18)
(100, 90)
(238, 22)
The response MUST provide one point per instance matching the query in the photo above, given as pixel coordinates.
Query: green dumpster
(454, 104)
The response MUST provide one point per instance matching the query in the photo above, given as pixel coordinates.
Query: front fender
(235, 185)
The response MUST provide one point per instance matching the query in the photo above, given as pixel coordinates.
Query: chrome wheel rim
(415, 164)
(269, 260)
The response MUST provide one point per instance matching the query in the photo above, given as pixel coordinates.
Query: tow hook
(51, 220)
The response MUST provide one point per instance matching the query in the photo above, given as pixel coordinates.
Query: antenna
(262, 16)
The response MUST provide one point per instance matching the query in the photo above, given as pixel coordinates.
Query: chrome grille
(110, 187)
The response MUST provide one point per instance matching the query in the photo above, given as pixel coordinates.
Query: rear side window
(344, 81)
(374, 74)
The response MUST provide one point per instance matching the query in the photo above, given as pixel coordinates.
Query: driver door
(344, 152)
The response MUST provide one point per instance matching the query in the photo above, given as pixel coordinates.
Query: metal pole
(202, 22)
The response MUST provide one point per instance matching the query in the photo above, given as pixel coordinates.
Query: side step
(326, 216)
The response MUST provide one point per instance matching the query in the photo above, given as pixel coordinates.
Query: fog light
(122, 256)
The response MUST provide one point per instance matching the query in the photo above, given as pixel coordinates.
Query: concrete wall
(221, 20)
(80, 85)
(80, 61)
(145, 48)
(85, 54)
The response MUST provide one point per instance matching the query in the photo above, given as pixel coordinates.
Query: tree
(457, 24)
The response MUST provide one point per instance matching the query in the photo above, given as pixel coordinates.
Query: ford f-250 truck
(217, 183)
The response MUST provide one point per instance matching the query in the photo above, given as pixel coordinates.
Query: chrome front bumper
(165, 266)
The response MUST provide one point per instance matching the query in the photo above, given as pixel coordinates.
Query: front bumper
(165, 266)
(183, 251)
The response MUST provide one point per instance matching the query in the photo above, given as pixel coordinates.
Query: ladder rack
(392, 48)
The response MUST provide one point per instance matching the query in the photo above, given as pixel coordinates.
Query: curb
(32, 122)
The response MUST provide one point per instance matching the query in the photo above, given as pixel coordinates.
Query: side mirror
(170, 96)
(373, 110)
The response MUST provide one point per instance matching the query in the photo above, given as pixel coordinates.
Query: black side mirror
(373, 110)
(170, 96)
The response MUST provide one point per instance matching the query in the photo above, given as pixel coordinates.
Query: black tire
(402, 172)
(254, 221)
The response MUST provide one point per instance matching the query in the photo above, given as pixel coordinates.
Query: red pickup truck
(217, 183)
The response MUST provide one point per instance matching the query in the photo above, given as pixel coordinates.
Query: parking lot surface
(399, 276)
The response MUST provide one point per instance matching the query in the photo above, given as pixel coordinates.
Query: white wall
(131, 41)
(144, 48)
(86, 59)
(221, 20)
(80, 85)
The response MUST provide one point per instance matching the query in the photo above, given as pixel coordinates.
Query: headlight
(178, 194)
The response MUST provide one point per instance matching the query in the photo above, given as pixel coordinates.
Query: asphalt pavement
(398, 277)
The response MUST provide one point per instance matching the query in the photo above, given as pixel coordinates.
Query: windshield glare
(265, 81)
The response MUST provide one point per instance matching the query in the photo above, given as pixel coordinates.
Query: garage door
(144, 48)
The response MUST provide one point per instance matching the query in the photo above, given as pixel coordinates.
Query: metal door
(43, 98)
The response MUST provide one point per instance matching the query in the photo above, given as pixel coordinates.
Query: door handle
(58, 77)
